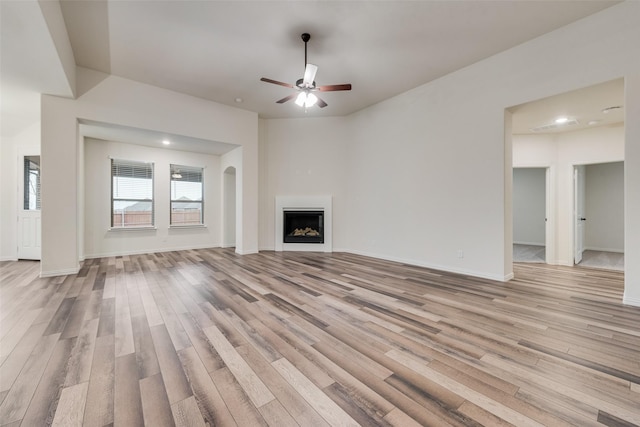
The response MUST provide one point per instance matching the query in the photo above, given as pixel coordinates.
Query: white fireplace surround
(303, 203)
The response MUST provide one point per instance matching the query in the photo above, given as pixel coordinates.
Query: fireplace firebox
(303, 226)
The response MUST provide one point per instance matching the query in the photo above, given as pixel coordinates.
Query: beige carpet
(591, 259)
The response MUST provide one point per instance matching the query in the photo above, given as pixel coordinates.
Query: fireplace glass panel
(303, 227)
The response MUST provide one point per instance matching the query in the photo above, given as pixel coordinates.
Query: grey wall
(529, 206)
(604, 207)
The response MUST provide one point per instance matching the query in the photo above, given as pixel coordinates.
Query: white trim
(63, 272)
(304, 247)
(150, 228)
(631, 301)
(178, 227)
(149, 251)
(591, 248)
(300, 203)
(444, 269)
(8, 258)
(249, 252)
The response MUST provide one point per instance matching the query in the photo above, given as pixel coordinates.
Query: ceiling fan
(307, 85)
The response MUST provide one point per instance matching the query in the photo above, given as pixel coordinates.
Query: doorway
(599, 215)
(581, 127)
(530, 214)
(29, 214)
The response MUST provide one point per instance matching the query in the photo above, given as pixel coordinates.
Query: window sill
(146, 228)
(177, 227)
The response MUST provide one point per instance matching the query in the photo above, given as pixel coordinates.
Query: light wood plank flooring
(206, 337)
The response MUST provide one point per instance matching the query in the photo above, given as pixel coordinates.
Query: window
(186, 195)
(31, 183)
(131, 194)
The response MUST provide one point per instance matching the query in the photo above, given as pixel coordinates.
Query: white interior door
(578, 209)
(29, 224)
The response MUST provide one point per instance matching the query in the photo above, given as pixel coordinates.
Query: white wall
(305, 157)
(632, 189)
(604, 207)
(9, 148)
(529, 206)
(426, 177)
(229, 208)
(100, 242)
(110, 99)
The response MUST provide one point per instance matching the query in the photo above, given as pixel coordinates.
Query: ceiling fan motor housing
(300, 84)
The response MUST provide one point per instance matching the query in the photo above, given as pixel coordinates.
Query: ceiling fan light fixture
(301, 99)
(311, 99)
(306, 99)
(307, 84)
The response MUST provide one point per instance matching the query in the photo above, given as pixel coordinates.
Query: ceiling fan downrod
(305, 38)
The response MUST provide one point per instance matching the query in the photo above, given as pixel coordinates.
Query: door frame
(549, 209)
(579, 192)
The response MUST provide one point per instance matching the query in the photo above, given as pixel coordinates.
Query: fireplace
(303, 226)
(311, 216)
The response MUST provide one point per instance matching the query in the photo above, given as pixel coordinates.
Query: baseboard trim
(249, 252)
(63, 272)
(8, 258)
(530, 244)
(447, 269)
(631, 301)
(148, 251)
(591, 248)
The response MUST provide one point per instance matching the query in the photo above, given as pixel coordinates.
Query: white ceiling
(218, 50)
(589, 106)
(149, 138)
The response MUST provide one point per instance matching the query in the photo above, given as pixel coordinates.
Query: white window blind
(131, 194)
(187, 195)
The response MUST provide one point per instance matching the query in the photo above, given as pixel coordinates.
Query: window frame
(31, 176)
(176, 168)
(131, 163)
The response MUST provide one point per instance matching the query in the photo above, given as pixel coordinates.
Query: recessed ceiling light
(166, 142)
(593, 122)
(555, 125)
(239, 100)
(561, 120)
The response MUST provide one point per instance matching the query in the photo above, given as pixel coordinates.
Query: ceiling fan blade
(275, 82)
(332, 88)
(320, 103)
(286, 98)
(309, 75)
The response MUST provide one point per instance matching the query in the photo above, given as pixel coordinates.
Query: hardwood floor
(206, 337)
